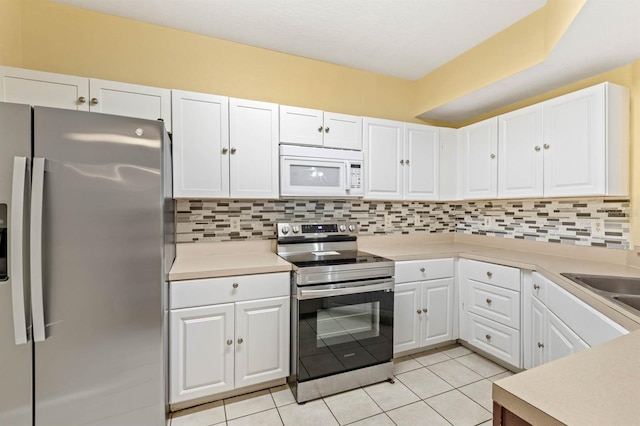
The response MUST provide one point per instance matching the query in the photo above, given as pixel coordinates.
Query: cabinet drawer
(422, 270)
(495, 303)
(495, 339)
(184, 294)
(539, 286)
(490, 273)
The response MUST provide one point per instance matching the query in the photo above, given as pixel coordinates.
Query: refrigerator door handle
(16, 262)
(37, 298)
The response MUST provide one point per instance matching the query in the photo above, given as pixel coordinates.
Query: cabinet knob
(406, 162)
(224, 150)
(537, 148)
(488, 301)
(488, 337)
(235, 285)
(94, 101)
(419, 311)
(424, 310)
(546, 146)
(422, 269)
(240, 340)
(540, 345)
(493, 156)
(233, 150)
(320, 129)
(489, 274)
(229, 342)
(401, 161)
(82, 99)
(326, 130)
(536, 287)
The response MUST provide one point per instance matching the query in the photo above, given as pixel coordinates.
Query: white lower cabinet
(423, 309)
(233, 340)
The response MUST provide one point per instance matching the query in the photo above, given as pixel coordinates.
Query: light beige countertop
(596, 387)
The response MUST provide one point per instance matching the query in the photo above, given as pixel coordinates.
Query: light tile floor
(445, 386)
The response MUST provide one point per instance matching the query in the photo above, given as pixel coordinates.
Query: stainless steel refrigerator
(86, 243)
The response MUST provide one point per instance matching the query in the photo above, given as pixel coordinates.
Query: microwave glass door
(303, 177)
(316, 176)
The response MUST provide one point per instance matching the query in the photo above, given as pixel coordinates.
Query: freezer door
(15, 345)
(101, 360)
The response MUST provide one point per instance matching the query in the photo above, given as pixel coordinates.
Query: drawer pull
(540, 345)
(422, 269)
(536, 287)
(235, 285)
(229, 342)
(488, 301)
(240, 340)
(489, 274)
(419, 311)
(488, 337)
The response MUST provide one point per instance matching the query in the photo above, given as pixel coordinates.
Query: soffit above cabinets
(401, 38)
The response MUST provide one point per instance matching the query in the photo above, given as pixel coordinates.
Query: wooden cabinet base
(504, 417)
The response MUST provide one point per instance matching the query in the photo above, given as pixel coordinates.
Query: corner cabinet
(224, 147)
(401, 160)
(39, 88)
(303, 126)
(226, 334)
(424, 304)
(478, 160)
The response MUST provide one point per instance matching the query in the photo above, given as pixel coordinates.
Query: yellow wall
(75, 41)
(10, 33)
(635, 153)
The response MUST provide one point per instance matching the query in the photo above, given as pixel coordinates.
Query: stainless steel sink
(624, 291)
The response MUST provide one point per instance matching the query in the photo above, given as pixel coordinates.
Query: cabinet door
(201, 351)
(407, 316)
(437, 307)
(200, 145)
(342, 131)
(479, 168)
(448, 164)
(253, 142)
(131, 100)
(560, 340)
(262, 340)
(301, 126)
(536, 335)
(47, 89)
(421, 162)
(383, 150)
(520, 153)
(574, 150)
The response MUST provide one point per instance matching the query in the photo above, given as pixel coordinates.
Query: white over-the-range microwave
(320, 172)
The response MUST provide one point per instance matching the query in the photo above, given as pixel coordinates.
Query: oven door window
(343, 333)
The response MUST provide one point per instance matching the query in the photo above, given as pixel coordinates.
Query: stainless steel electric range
(342, 309)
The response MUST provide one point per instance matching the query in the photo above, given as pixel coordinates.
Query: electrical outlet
(387, 221)
(487, 222)
(235, 224)
(417, 220)
(597, 228)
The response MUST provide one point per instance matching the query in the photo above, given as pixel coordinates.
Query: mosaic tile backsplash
(558, 221)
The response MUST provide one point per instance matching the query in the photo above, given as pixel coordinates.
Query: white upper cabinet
(448, 164)
(83, 94)
(224, 147)
(586, 142)
(421, 163)
(478, 160)
(253, 149)
(520, 148)
(401, 160)
(200, 145)
(303, 126)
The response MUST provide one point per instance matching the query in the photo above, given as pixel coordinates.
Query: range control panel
(317, 229)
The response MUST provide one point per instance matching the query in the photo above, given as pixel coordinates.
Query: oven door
(343, 329)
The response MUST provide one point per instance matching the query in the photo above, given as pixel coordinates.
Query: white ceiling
(404, 38)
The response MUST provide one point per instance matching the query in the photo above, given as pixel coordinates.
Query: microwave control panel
(356, 176)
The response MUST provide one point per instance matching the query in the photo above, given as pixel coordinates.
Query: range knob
(285, 229)
(352, 228)
(296, 229)
(342, 228)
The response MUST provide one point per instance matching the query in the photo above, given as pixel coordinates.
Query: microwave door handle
(37, 298)
(348, 178)
(16, 250)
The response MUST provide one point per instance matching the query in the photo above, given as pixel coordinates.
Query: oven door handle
(381, 285)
